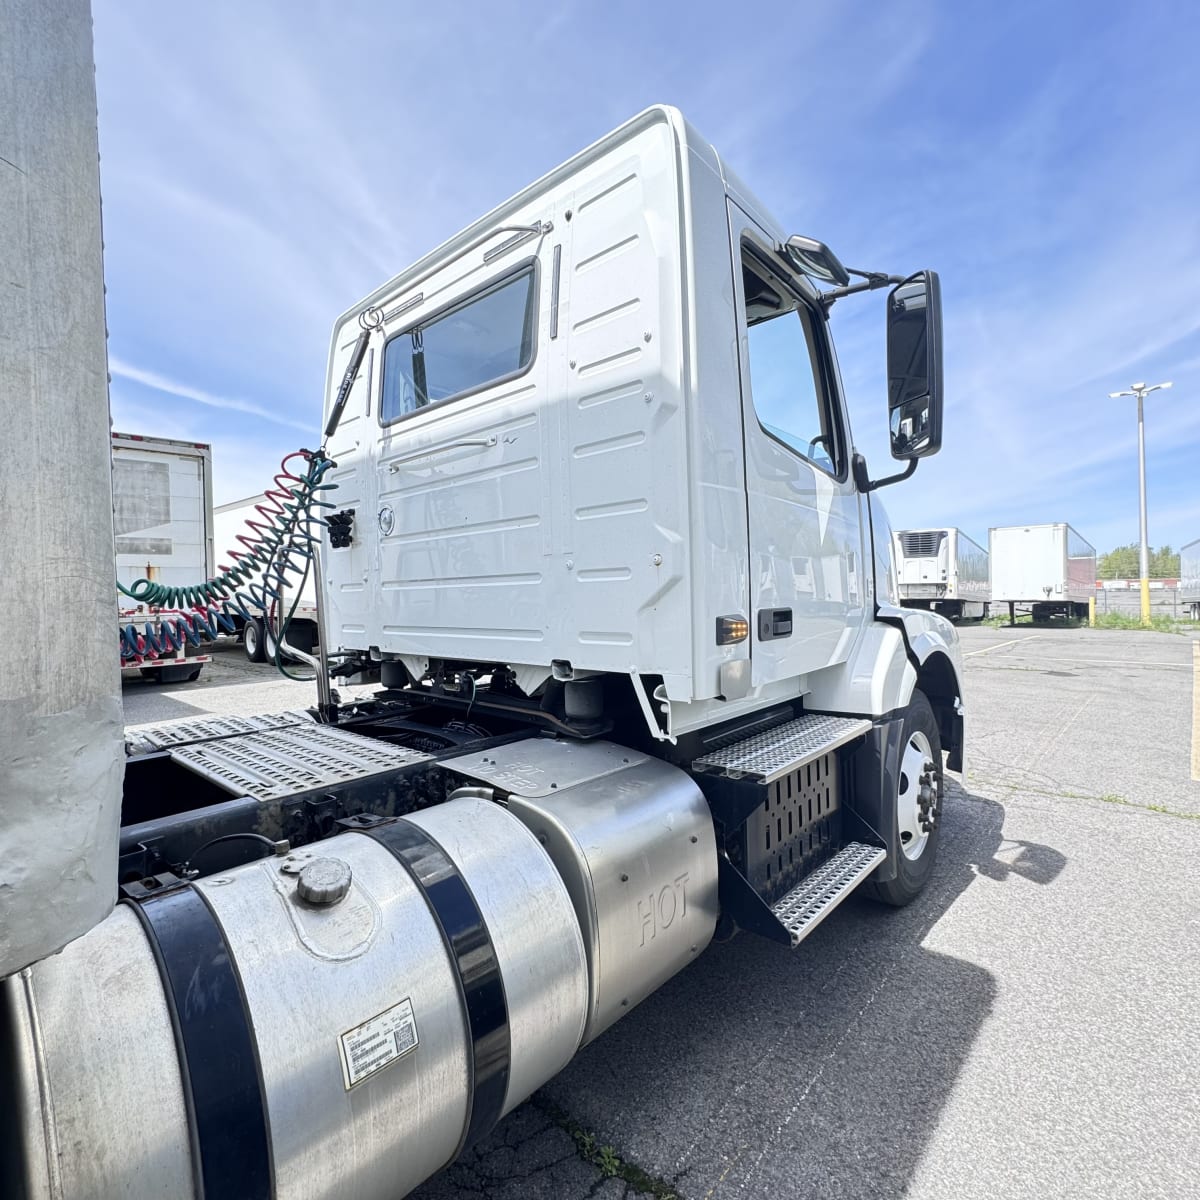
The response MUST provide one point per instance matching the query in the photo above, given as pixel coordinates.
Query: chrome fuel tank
(339, 1022)
(633, 839)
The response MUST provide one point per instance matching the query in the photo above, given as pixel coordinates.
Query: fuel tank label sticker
(371, 1046)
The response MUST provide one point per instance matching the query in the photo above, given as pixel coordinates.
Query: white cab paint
(805, 543)
(595, 510)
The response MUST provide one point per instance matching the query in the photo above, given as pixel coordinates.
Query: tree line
(1123, 563)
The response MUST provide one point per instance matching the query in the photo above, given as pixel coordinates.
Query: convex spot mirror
(914, 356)
(815, 259)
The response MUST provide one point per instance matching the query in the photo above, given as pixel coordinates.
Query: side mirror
(914, 358)
(815, 259)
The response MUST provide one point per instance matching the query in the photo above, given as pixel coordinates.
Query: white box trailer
(1051, 569)
(942, 570)
(1189, 579)
(297, 606)
(163, 531)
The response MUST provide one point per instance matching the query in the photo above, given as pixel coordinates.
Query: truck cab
(599, 440)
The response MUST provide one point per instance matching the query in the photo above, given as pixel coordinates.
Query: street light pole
(1141, 391)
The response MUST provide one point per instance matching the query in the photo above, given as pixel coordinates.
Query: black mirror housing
(914, 366)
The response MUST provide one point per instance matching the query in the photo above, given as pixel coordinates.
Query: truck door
(461, 479)
(805, 540)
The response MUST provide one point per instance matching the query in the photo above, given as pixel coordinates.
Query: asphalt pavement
(1029, 1027)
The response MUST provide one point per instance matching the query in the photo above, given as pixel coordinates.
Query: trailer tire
(174, 674)
(253, 640)
(919, 799)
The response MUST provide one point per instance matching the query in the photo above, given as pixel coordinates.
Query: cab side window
(484, 339)
(785, 374)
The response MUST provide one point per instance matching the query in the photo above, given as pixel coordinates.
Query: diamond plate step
(814, 898)
(282, 762)
(207, 729)
(770, 755)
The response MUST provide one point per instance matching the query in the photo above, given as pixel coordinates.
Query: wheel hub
(919, 799)
(929, 798)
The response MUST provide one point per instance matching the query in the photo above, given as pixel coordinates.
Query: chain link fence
(1125, 597)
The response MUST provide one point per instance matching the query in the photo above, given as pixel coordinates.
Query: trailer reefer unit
(296, 605)
(1189, 579)
(163, 526)
(942, 570)
(601, 535)
(1050, 569)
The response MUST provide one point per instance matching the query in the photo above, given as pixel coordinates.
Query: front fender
(926, 633)
(903, 649)
(933, 643)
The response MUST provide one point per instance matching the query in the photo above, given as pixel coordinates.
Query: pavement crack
(1062, 794)
(818, 1074)
(603, 1157)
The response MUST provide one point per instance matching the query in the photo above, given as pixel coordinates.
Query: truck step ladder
(816, 896)
(770, 754)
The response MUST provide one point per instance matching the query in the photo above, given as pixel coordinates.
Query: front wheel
(919, 792)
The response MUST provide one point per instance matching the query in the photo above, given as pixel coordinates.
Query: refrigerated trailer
(602, 539)
(1049, 569)
(163, 531)
(296, 605)
(1189, 579)
(942, 570)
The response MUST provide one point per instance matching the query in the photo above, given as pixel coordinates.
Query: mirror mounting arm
(872, 282)
(865, 483)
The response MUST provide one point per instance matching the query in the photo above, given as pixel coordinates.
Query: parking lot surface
(1029, 1027)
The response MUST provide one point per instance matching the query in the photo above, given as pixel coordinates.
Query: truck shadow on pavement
(763, 1072)
(144, 701)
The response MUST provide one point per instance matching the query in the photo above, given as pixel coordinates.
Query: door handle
(774, 623)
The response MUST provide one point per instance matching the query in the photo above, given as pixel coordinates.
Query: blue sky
(266, 165)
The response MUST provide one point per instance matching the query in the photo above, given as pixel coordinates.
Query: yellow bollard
(1091, 612)
(1145, 601)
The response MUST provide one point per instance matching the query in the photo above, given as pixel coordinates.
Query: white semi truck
(942, 570)
(1189, 579)
(1049, 569)
(601, 534)
(296, 605)
(163, 531)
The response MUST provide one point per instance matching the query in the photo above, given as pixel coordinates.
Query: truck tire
(253, 640)
(918, 806)
(180, 674)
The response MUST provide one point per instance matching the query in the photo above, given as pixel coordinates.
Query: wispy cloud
(172, 387)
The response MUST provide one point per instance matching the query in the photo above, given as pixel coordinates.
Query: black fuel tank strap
(471, 949)
(222, 1083)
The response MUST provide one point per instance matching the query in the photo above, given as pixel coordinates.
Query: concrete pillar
(61, 755)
